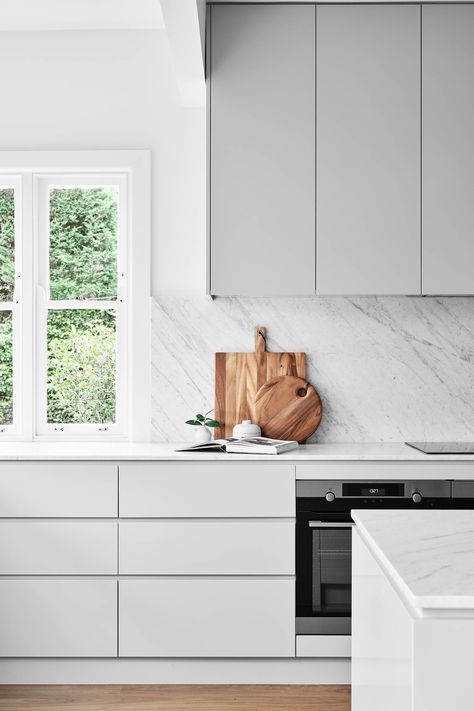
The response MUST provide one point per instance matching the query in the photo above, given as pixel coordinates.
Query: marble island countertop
(154, 451)
(428, 555)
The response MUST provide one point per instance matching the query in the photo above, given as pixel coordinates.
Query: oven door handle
(329, 524)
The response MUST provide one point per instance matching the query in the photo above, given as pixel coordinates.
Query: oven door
(323, 573)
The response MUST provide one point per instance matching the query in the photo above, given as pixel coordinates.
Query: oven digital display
(373, 489)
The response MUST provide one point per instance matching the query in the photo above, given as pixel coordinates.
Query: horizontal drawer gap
(39, 658)
(52, 519)
(117, 519)
(185, 576)
(197, 519)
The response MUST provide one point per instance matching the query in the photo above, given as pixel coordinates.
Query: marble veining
(428, 554)
(387, 368)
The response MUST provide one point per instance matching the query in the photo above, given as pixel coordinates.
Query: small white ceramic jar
(246, 429)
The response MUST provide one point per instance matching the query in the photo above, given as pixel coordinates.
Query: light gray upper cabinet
(368, 149)
(448, 149)
(341, 149)
(262, 149)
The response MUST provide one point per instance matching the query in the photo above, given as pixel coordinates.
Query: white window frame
(32, 173)
(42, 185)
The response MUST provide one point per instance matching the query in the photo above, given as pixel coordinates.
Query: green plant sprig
(204, 420)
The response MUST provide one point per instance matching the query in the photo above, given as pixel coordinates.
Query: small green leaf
(200, 418)
(192, 422)
(212, 423)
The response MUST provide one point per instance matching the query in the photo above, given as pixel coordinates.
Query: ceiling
(80, 15)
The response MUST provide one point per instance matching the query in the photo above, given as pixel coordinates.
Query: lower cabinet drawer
(207, 617)
(204, 547)
(58, 618)
(58, 548)
(58, 490)
(212, 489)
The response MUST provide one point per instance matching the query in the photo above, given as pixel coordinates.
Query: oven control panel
(373, 492)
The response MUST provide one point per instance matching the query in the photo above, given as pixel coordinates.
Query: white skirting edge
(174, 671)
(323, 645)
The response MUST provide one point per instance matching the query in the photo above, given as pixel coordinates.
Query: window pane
(7, 243)
(81, 366)
(83, 243)
(6, 368)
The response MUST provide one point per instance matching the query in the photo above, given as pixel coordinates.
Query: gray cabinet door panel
(448, 149)
(368, 150)
(262, 152)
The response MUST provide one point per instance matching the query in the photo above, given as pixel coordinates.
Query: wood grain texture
(238, 377)
(287, 407)
(175, 698)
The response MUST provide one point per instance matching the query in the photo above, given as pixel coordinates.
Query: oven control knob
(330, 496)
(416, 497)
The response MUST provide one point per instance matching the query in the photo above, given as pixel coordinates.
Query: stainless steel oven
(324, 536)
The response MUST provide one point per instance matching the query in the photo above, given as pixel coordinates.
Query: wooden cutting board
(239, 376)
(287, 407)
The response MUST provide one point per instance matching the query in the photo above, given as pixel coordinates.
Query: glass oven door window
(331, 572)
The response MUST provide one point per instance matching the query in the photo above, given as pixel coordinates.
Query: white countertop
(109, 451)
(428, 555)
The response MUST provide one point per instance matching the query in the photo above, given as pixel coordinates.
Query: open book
(246, 445)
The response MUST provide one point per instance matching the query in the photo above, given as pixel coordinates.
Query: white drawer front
(203, 547)
(171, 490)
(58, 548)
(58, 618)
(58, 490)
(207, 618)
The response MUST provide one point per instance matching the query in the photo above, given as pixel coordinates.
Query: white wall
(110, 90)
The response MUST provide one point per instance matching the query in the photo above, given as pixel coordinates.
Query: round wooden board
(287, 407)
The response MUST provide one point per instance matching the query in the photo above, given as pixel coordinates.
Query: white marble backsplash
(387, 368)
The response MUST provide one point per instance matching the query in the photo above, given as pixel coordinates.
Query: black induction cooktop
(443, 447)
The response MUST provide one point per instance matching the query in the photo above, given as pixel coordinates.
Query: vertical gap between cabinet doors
(118, 622)
(315, 152)
(118, 491)
(421, 151)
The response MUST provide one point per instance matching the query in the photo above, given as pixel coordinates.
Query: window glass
(7, 243)
(81, 376)
(6, 368)
(83, 243)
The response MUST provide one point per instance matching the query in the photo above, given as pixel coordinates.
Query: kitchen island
(413, 610)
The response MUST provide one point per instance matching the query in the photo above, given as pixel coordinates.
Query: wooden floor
(175, 698)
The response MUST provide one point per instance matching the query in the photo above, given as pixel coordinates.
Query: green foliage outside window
(81, 343)
(81, 366)
(6, 368)
(7, 243)
(83, 244)
(7, 278)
